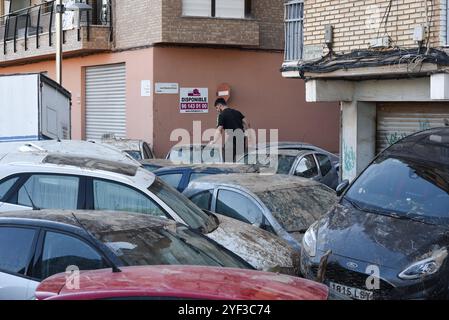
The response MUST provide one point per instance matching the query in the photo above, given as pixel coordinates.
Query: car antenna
(115, 268)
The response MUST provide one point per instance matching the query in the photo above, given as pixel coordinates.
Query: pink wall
(258, 91)
(139, 66)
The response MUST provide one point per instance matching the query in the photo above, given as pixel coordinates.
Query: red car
(180, 282)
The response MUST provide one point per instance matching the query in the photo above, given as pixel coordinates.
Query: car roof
(124, 144)
(429, 145)
(72, 147)
(255, 183)
(220, 167)
(43, 158)
(289, 152)
(188, 281)
(158, 162)
(94, 221)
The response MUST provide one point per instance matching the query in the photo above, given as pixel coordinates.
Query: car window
(135, 154)
(6, 185)
(50, 192)
(195, 176)
(173, 179)
(285, 164)
(15, 249)
(62, 251)
(237, 206)
(307, 167)
(325, 164)
(116, 197)
(203, 199)
(147, 151)
(151, 167)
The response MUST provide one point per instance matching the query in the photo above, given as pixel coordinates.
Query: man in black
(234, 124)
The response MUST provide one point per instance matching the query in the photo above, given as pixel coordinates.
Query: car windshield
(195, 154)
(180, 246)
(134, 154)
(403, 188)
(297, 208)
(193, 216)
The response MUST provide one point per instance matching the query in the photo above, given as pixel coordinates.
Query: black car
(35, 245)
(388, 237)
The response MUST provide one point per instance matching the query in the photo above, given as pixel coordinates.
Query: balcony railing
(38, 20)
(294, 30)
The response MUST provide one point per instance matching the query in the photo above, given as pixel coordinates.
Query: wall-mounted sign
(194, 100)
(167, 88)
(145, 88)
(224, 91)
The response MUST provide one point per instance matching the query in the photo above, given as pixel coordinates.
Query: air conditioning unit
(383, 42)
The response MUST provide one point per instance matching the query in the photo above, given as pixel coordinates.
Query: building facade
(385, 61)
(129, 64)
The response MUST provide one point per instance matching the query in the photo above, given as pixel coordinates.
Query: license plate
(350, 292)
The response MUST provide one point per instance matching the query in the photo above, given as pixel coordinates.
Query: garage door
(106, 101)
(398, 120)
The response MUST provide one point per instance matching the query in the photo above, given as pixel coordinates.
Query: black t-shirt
(231, 119)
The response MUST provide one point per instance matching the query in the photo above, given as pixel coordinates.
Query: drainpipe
(59, 13)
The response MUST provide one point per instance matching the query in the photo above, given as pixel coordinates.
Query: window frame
(211, 200)
(311, 154)
(292, 53)
(247, 11)
(32, 253)
(319, 164)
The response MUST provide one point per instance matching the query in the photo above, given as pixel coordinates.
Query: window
(237, 206)
(307, 168)
(147, 151)
(6, 185)
(16, 245)
(325, 164)
(203, 199)
(62, 251)
(294, 30)
(172, 179)
(238, 9)
(195, 176)
(50, 192)
(117, 197)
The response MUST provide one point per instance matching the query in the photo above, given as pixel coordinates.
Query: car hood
(378, 239)
(263, 250)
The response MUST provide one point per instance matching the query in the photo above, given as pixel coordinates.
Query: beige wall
(258, 91)
(139, 66)
(355, 22)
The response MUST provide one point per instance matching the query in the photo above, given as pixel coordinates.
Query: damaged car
(40, 180)
(388, 237)
(283, 205)
(35, 245)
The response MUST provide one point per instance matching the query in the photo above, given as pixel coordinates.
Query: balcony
(29, 34)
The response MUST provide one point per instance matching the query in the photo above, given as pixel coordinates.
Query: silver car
(284, 205)
(40, 180)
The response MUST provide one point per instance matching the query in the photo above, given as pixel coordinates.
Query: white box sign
(145, 88)
(167, 88)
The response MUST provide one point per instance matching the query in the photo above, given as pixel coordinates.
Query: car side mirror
(342, 187)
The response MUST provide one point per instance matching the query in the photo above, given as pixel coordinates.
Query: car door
(238, 205)
(329, 175)
(17, 246)
(307, 167)
(44, 191)
(62, 252)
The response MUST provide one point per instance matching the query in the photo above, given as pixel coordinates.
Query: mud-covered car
(180, 176)
(196, 153)
(38, 244)
(41, 180)
(283, 205)
(388, 237)
(137, 149)
(309, 164)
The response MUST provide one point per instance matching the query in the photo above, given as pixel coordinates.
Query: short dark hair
(221, 101)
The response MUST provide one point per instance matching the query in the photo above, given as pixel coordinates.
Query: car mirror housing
(342, 187)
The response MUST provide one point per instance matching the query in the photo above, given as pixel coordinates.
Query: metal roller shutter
(106, 101)
(398, 120)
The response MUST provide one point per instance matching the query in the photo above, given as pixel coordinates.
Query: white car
(60, 181)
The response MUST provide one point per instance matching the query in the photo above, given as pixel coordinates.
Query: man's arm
(217, 136)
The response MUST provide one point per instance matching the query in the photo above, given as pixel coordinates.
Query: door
(17, 245)
(238, 206)
(398, 120)
(105, 101)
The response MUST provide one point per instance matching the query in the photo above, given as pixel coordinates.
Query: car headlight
(309, 240)
(425, 267)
